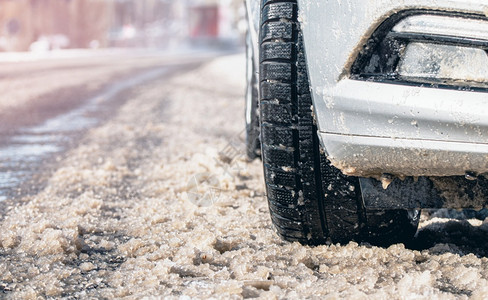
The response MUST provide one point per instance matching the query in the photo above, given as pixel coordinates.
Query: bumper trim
(369, 156)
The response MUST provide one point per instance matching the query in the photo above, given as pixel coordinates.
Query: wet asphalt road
(60, 99)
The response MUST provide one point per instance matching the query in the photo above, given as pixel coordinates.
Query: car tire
(310, 200)
(253, 147)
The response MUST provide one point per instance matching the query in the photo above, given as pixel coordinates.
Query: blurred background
(44, 25)
(66, 66)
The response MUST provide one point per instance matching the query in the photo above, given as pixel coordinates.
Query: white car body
(368, 127)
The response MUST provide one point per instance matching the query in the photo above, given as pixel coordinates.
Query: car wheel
(253, 147)
(310, 201)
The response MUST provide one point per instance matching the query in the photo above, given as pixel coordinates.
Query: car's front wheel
(310, 201)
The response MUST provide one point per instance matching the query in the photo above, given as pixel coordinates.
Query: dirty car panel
(386, 98)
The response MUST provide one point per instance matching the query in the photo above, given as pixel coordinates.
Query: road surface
(49, 102)
(127, 178)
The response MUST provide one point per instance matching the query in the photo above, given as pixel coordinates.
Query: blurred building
(150, 23)
(50, 24)
(163, 23)
(214, 19)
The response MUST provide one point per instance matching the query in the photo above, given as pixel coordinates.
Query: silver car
(364, 112)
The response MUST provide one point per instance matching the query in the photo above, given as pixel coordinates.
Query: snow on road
(160, 201)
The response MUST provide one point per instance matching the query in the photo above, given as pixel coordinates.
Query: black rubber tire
(253, 146)
(310, 201)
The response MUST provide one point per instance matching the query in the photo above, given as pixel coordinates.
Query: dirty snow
(161, 202)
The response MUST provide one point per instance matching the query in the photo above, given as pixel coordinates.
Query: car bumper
(369, 128)
(374, 128)
(368, 156)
